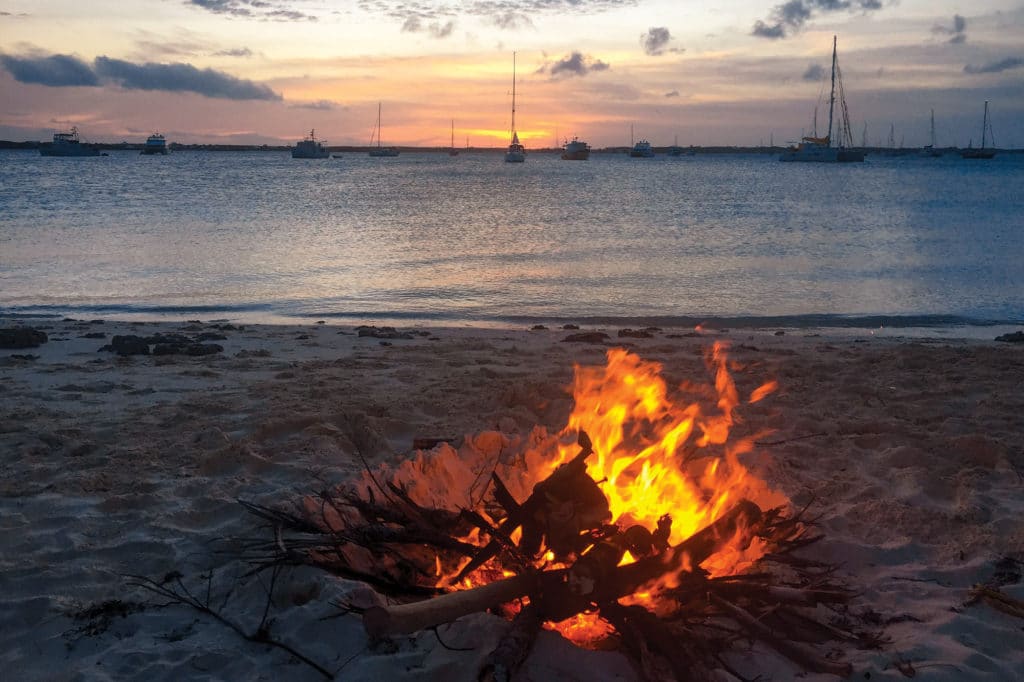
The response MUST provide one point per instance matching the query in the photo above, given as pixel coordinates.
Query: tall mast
(513, 94)
(832, 96)
(984, 125)
(933, 128)
(378, 124)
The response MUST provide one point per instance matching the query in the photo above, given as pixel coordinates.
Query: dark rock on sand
(127, 345)
(635, 334)
(1015, 337)
(93, 335)
(570, 326)
(21, 337)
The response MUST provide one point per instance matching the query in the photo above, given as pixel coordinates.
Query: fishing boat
(155, 144)
(575, 150)
(379, 150)
(67, 144)
(820, 149)
(311, 148)
(516, 152)
(641, 149)
(983, 152)
(929, 150)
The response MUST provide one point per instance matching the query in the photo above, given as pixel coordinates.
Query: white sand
(912, 451)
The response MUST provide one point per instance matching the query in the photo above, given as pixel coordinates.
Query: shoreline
(907, 450)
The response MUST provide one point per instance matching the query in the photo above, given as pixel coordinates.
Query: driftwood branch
(558, 598)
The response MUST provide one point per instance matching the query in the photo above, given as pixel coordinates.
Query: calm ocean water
(260, 236)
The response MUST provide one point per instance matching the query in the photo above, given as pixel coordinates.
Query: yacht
(980, 153)
(379, 150)
(820, 149)
(67, 144)
(516, 152)
(155, 144)
(310, 148)
(576, 150)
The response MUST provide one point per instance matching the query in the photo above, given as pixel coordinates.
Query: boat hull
(515, 157)
(576, 156)
(296, 154)
(153, 151)
(977, 153)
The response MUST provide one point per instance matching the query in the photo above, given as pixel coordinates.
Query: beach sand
(909, 450)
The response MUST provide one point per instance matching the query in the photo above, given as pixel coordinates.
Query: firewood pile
(557, 554)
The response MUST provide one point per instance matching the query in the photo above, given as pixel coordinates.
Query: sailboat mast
(933, 128)
(984, 125)
(378, 124)
(832, 96)
(513, 94)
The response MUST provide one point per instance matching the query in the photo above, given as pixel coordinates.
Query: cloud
(180, 78)
(252, 9)
(955, 32)
(436, 29)
(511, 21)
(574, 64)
(814, 72)
(790, 16)
(319, 105)
(655, 40)
(996, 67)
(57, 70)
(674, 93)
(508, 15)
(236, 52)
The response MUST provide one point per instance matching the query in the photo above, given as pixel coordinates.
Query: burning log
(560, 594)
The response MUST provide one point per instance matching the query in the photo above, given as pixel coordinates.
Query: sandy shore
(911, 451)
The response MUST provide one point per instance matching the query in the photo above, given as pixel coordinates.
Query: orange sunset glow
(242, 72)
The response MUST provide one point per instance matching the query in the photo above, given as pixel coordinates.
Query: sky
(607, 71)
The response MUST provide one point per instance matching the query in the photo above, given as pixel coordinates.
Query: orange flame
(656, 451)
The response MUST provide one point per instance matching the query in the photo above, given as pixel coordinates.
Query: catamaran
(516, 152)
(820, 149)
(379, 150)
(983, 153)
(155, 144)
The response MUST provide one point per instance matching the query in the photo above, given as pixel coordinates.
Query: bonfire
(638, 524)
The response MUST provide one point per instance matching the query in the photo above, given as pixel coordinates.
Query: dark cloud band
(67, 71)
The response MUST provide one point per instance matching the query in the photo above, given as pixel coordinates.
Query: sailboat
(929, 150)
(516, 152)
(379, 150)
(675, 149)
(983, 153)
(453, 151)
(820, 149)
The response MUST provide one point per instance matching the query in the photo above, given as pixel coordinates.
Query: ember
(644, 525)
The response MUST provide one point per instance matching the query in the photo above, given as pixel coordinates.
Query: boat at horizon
(929, 150)
(820, 149)
(452, 151)
(310, 148)
(155, 144)
(982, 152)
(575, 150)
(379, 150)
(516, 153)
(641, 149)
(67, 144)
